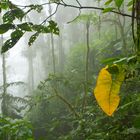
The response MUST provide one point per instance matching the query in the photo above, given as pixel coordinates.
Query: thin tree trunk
(87, 64)
(3, 105)
(61, 54)
(52, 44)
(31, 70)
(4, 102)
(99, 25)
(122, 31)
(137, 7)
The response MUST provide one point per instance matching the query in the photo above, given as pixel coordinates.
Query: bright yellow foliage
(107, 90)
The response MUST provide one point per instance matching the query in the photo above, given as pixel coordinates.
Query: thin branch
(27, 6)
(95, 8)
(79, 3)
(51, 14)
(62, 3)
(75, 17)
(66, 102)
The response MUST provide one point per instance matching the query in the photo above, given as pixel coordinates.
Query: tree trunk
(86, 63)
(52, 44)
(31, 70)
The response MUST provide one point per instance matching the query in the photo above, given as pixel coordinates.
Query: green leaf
(109, 61)
(8, 17)
(33, 38)
(40, 28)
(137, 122)
(37, 8)
(119, 3)
(113, 69)
(108, 2)
(18, 13)
(108, 9)
(11, 15)
(4, 4)
(5, 27)
(27, 26)
(51, 28)
(130, 3)
(15, 36)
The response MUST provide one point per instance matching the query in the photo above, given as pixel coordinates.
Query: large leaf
(5, 27)
(33, 38)
(27, 26)
(15, 36)
(107, 90)
(13, 14)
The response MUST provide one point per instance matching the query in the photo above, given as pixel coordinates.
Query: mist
(73, 71)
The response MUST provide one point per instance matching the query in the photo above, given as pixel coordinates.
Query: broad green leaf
(5, 27)
(107, 90)
(4, 4)
(15, 36)
(27, 26)
(51, 28)
(130, 3)
(11, 15)
(37, 8)
(119, 3)
(8, 17)
(33, 38)
(108, 9)
(108, 2)
(40, 28)
(109, 61)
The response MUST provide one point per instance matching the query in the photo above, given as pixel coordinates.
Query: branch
(79, 3)
(66, 102)
(93, 7)
(51, 14)
(82, 7)
(75, 17)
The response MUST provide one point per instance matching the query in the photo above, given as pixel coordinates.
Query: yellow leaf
(107, 90)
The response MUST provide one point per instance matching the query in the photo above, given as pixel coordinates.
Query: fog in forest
(74, 79)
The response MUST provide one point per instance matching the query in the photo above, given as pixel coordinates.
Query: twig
(79, 3)
(66, 102)
(51, 14)
(75, 17)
